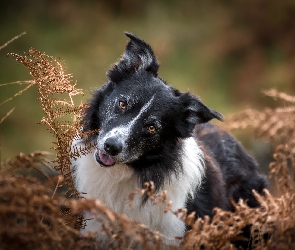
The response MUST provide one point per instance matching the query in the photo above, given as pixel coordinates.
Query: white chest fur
(113, 185)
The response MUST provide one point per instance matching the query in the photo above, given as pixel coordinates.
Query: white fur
(112, 186)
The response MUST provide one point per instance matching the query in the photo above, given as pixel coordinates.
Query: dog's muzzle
(112, 147)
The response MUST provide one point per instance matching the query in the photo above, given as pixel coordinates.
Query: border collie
(149, 131)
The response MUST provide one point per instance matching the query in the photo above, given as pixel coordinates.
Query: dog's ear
(138, 55)
(193, 112)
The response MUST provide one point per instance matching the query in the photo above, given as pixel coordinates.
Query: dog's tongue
(105, 159)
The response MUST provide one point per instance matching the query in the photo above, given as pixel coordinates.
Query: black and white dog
(149, 131)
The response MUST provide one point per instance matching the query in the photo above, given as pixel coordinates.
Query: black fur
(239, 170)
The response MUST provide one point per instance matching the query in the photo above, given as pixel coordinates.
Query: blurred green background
(226, 52)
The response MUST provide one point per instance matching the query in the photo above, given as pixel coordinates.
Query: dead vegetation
(34, 216)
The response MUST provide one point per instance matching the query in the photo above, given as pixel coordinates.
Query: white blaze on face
(122, 132)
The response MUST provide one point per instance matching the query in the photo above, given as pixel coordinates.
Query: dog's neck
(190, 159)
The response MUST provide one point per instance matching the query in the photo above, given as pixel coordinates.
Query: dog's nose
(112, 146)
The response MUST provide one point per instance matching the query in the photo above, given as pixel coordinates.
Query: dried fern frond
(53, 84)
(274, 218)
(271, 124)
(37, 160)
(117, 230)
(149, 191)
(30, 219)
(279, 95)
(276, 125)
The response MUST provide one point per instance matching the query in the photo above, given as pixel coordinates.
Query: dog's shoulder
(224, 148)
(239, 170)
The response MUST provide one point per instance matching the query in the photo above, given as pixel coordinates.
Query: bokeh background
(226, 52)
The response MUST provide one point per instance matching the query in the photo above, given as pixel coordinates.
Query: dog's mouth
(103, 159)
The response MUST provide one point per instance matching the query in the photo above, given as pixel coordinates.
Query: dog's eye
(122, 104)
(151, 128)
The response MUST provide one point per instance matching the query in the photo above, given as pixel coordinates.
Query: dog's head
(137, 113)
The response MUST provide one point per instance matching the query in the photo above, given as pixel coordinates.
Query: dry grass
(34, 216)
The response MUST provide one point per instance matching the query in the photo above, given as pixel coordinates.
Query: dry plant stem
(16, 82)
(8, 114)
(11, 40)
(59, 180)
(17, 94)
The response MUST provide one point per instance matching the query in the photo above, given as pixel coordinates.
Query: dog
(144, 130)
